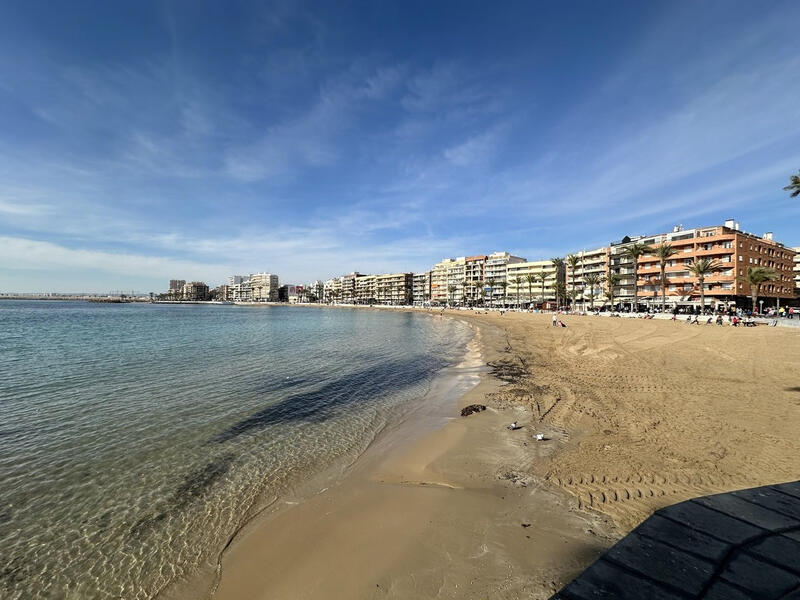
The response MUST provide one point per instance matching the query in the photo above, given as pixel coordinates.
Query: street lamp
(761, 309)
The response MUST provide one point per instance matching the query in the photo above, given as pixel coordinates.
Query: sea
(137, 439)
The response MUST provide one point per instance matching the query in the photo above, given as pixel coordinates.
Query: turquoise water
(136, 439)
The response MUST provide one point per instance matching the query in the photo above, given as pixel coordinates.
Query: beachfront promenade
(734, 546)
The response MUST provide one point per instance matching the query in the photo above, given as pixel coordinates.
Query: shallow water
(135, 439)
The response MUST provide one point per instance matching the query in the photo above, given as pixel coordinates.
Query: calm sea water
(136, 439)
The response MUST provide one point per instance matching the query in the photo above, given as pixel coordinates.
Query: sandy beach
(636, 414)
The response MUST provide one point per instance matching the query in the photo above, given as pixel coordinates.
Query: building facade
(540, 290)
(590, 262)
(796, 250)
(194, 290)
(394, 288)
(495, 273)
(421, 288)
(176, 285)
(733, 251)
(264, 287)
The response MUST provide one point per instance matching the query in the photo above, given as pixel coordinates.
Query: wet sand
(638, 415)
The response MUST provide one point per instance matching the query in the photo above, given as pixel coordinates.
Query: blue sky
(145, 141)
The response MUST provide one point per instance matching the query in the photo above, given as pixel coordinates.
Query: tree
(664, 252)
(542, 280)
(530, 278)
(793, 187)
(560, 289)
(700, 268)
(572, 262)
(612, 282)
(635, 251)
(755, 278)
(482, 293)
(504, 285)
(490, 285)
(558, 264)
(518, 283)
(592, 280)
(451, 289)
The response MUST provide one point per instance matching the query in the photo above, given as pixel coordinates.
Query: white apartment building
(439, 280)
(365, 289)
(239, 288)
(796, 271)
(421, 288)
(591, 262)
(544, 275)
(495, 274)
(264, 287)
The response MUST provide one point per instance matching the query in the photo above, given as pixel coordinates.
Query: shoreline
(361, 537)
(639, 415)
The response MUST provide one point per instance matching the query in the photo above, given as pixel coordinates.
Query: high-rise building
(495, 275)
(264, 287)
(421, 288)
(394, 288)
(365, 289)
(796, 271)
(176, 285)
(474, 274)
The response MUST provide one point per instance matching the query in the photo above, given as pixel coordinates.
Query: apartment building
(796, 271)
(495, 272)
(347, 283)
(194, 290)
(439, 280)
(264, 287)
(332, 289)
(176, 285)
(456, 287)
(733, 250)
(474, 276)
(365, 289)
(543, 273)
(394, 288)
(590, 262)
(421, 288)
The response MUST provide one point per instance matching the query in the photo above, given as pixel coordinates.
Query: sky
(147, 141)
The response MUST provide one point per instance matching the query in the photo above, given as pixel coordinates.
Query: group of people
(558, 322)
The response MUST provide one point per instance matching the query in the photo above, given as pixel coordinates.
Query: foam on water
(135, 440)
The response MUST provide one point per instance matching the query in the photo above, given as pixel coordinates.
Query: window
(741, 258)
(727, 244)
(687, 249)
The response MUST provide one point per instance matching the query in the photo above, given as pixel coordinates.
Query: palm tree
(700, 268)
(793, 187)
(560, 289)
(664, 252)
(558, 263)
(612, 281)
(504, 285)
(593, 280)
(451, 290)
(490, 285)
(635, 251)
(572, 262)
(518, 283)
(755, 278)
(542, 280)
(530, 278)
(482, 293)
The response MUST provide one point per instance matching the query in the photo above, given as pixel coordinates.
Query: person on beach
(555, 321)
